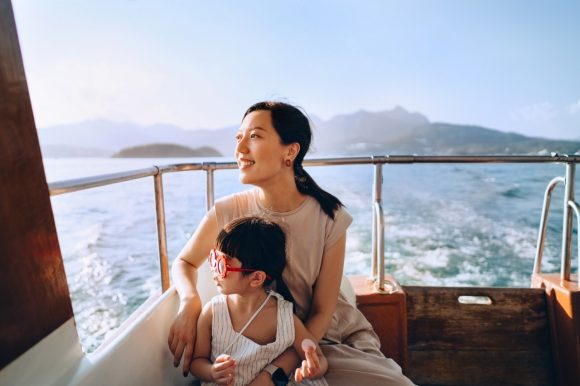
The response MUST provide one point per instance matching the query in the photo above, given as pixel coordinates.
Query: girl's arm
(223, 370)
(201, 364)
(324, 299)
(184, 271)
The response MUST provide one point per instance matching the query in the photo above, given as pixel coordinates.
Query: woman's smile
(244, 163)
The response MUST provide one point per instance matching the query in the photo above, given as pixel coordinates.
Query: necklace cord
(248, 322)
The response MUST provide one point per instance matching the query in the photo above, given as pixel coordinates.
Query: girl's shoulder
(206, 315)
(215, 303)
(282, 304)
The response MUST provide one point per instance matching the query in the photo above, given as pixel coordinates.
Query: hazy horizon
(316, 117)
(508, 66)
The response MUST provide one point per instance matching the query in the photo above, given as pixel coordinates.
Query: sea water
(445, 224)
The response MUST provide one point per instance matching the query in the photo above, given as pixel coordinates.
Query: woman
(271, 144)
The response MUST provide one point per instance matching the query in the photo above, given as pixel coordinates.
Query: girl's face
(259, 150)
(234, 281)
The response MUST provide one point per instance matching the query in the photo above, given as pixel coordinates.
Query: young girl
(241, 331)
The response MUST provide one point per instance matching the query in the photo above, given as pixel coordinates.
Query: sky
(507, 65)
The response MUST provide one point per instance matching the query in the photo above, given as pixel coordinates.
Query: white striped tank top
(251, 357)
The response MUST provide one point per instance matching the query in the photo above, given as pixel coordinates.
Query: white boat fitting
(137, 354)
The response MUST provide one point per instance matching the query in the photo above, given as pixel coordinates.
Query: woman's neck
(280, 197)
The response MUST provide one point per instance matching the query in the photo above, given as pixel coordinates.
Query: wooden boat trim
(35, 297)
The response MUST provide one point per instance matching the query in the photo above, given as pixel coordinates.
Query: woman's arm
(326, 289)
(183, 330)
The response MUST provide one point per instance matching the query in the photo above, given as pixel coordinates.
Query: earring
(288, 162)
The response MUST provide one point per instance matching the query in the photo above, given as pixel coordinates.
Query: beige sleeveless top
(309, 232)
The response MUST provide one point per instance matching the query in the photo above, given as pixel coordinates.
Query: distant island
(165, 150)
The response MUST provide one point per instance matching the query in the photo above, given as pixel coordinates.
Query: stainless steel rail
(61, 187)
(570, 208)
(544, 223)
(77, 184)
(567, 224)
(161, 231)
(574, 206)
(72, 185)
(378, 230)
(209, 184)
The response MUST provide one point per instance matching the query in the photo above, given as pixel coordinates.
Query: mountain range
(395, 131)
(158, 150)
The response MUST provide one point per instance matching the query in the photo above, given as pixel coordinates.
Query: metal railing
(378, 225)
(544, 222)
(570, 208)
(567, 223)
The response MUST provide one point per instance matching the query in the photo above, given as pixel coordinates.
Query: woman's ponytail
(307, 185)
(283, 290)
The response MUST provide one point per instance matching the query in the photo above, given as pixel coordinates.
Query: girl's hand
(223, 371)
(311, 366)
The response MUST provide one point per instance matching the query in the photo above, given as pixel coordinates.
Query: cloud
(574, 107)
(539, 112)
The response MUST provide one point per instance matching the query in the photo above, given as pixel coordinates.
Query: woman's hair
(292, 126)
(259, 244)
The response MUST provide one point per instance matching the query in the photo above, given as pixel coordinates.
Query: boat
(439, 335)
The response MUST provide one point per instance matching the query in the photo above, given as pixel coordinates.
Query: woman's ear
(258, 278)
(293, 150)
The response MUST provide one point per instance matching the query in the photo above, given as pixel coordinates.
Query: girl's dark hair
(293, 126)
(259, 244)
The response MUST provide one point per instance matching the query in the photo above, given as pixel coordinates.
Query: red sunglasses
(218, 264)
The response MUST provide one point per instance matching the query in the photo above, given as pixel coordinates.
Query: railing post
(544, 223)
(374, 232)
(209, 184)
(378, 234)
(567, 223)
(574, 206)
(161, 231)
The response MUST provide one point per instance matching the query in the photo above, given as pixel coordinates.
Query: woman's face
(259, 151)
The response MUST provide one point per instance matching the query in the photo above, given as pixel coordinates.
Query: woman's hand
(313, 366)
(183, 332)
(223, 371)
